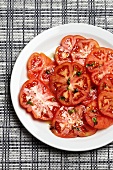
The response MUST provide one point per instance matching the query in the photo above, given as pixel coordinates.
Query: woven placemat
(20, 21)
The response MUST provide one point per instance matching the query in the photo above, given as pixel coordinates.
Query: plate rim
(12, 79)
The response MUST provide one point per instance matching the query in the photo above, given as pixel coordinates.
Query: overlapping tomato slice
(99, 63)
(69, 41)
(98, 57)
(82, 48)
(105, 103)
(69, 122)
(37, 62)
(74, 48)
(99, 73)
(37, 99)
(70, 83)
(94, 117)
(46, 72)
(106, 83)
(92, 95)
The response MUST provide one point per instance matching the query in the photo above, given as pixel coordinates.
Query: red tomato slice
(36, 63)
(37, 99)
(77, 69)
(68, 123)
(106, 83)
(46, 72)
(63, 121)
(98, 57)
(78, 84)
(60, 77)
(92, 95)
(85, 130)
(69, 41)
(70, 83)
(64, 72)
(81, 127)
(76, 92)
(105, 103)
(95, 119)
(81, 50)
(55, 82)
(63, 52)
(62, 55)
(98, 74)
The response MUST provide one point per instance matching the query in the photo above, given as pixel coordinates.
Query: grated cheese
(41, 101)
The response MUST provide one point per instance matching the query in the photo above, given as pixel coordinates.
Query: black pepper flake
(75, 90)
(47, 71)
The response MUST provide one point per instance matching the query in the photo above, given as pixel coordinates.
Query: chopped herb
(47, 71)
(53, 99)
(62, 98)
(94, 119)
(71, 111)
(68, 81)
(94, 111)
(78, 73)
(105, 85)
(76, 128)
(93, 88)
(29, 102)
(75, 69)
(67, 87)
(90, 64)
(75, 90)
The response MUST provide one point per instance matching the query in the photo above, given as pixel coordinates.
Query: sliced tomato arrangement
(74, 91)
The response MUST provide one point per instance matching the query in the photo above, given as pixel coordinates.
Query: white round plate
(46, 42)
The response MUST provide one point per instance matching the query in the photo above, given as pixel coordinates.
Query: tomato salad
(73, 91)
